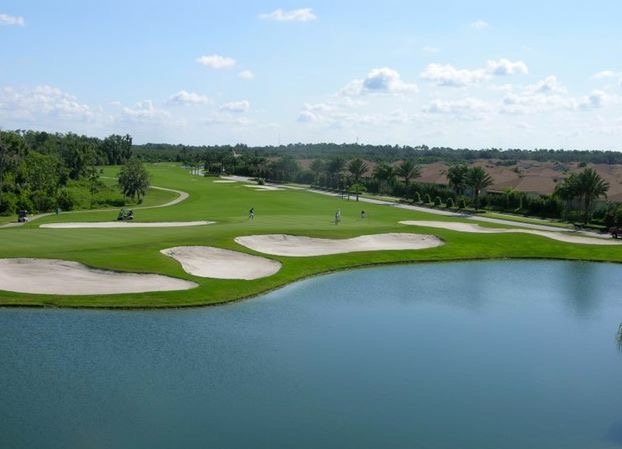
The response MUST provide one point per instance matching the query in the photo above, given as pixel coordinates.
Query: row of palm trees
(584, 187)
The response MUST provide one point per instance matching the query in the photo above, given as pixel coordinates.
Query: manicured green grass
(287, 211)
(521, 219)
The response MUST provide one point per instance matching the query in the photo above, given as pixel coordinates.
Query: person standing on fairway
(251, 213)
(338, 216)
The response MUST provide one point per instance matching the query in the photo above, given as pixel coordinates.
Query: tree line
(41, 171)
(421, 154)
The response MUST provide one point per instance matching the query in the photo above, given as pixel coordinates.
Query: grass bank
(286, 211)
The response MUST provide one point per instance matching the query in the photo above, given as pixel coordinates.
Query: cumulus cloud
(605, 74)
(450, 76)
(43, 101)
(246, 75)
(8, 20)
(294, 15)
(466, 109)
(479, 25)
(505, 67)
(184, 98)
(549, 85)
(594, 100)
(235, 107)
(379, 81)
(145, 112)
(216, 61)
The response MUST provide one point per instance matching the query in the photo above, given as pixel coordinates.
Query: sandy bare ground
(224, 181)
(297, 246)
(261, 188)
(61, 277)
(125, 224)
(209, 262)
(563, 236)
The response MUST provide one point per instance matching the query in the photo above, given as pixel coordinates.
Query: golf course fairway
(225, 206)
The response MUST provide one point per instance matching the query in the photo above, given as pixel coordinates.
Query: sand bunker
(296, 246)
(467, 227)
(205, 261)
(125, 224)
(264, 188)
(225, 181)
(61, 277)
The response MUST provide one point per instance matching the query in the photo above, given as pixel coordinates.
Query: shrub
(450, 202)
(418, 198)
(8, 203)
(462, 203)
(437, 201)
(428, 199)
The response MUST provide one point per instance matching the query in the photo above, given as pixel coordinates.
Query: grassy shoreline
(287, 211)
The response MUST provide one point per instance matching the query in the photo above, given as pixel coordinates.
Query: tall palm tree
(408, 171)
(477, 179)
(357, 168)
(384, 174)
(590, 186)
(456, 176)
(334, 168)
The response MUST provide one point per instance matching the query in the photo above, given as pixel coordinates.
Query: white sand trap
(563, 236)
(225, 181)
(208, 262)
(61, 277)
(125, 224)
(296, 246)
(260, 188)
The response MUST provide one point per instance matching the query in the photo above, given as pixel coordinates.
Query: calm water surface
(446, 356)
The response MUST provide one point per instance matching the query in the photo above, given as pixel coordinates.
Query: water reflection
(582, 286)
(619, 337)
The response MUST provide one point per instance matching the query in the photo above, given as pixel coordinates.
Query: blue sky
(463, 74)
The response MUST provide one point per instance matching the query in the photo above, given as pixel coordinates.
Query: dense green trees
(134, 179)
(41, 171)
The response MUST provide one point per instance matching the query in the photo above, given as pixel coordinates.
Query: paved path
(181, 197)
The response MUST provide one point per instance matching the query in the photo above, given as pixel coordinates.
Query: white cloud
(216, 61)
(379, 81)
(479, 25)
(466, 109)
(549, 85)
(448, 75)
(246, 75)
(294, 15)
(595, 100)
(505, 67)
(43, 101)
(605, 74)
(145, 112)
(235, 107)
(183, 98)
(8, 20)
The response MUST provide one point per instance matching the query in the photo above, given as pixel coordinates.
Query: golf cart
(125, 215)
(22, 216)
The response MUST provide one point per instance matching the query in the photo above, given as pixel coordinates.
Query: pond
(499, 354)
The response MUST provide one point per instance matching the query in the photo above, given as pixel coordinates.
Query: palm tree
(590, 186)
(477, 179)
(357, 168)
(408, 170)
(317, 167)
(456, 176)
(384, 174)
(334, 168)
